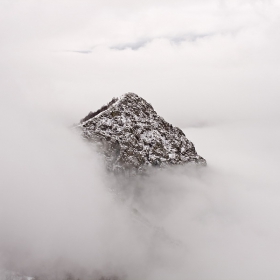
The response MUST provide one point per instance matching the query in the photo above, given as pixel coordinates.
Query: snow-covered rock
(11, 275)
(132, 136)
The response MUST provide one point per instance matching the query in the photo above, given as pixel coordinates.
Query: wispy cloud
(81, 51)
(176, 39)
(132, 45)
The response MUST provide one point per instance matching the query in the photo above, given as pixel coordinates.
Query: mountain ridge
(133, 137)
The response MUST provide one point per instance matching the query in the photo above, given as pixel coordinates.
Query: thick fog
(209, 67)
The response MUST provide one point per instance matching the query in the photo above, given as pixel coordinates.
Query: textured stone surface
(133, 137)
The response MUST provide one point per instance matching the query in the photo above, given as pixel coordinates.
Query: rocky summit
(133, 137)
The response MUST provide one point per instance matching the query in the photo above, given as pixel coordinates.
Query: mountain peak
(132, 136)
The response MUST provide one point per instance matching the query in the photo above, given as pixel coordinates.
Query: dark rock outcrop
(133, 137)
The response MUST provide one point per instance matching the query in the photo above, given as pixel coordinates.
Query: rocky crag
(133, 137)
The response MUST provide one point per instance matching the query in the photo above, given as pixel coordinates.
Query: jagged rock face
(132, 136)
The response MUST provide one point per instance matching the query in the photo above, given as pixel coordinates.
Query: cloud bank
(209, 67)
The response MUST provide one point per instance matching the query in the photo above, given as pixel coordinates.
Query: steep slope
(132, 136)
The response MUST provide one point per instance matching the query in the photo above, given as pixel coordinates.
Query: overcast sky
(209, 67)
(194, 60)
